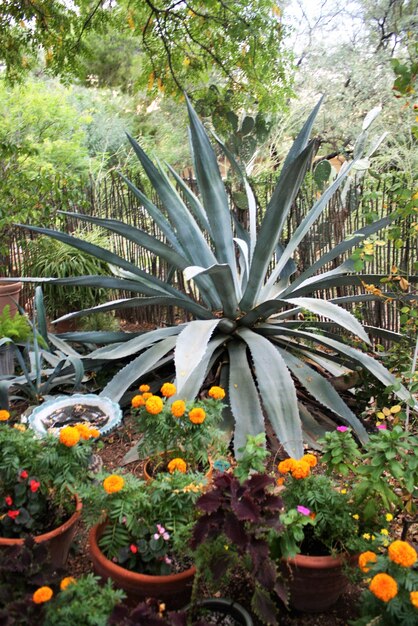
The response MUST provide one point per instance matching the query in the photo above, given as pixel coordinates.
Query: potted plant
(391, 596)
(14, 328)
(39, 479)
(334, 512)
(140, 531)
(177, 434)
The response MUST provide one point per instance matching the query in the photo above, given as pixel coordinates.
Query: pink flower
(133, 548)
(8, 500)
(166, 536)
(167, 560)
(34, 485)
(156, 536)
(303, 510)
(381, 426)
(13, 514)
(342, 429)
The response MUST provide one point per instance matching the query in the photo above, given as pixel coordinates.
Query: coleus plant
(237, 523)
(245, 302)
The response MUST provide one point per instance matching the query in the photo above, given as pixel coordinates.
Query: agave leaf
(144, 363)
(75, 363)
(213, 192)
(323, 391)
(155, 213)
(243, 396)
(191, 386)
(338, 250)
(274, 219)
(194, 202)
(243, 259)
(277, 391)
(136, 235)
(40, 314)
(190, 349)
(62, 345)
(94, 337)
(340, 281)
(312, 429)
(130, 303)
(302, 230)
(302, 139)
(193, 242)
(369, 297)
(128, 348)
(223, 281)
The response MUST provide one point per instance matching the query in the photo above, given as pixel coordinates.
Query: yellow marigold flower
(20, 427)
(69, 580)
(4, 415)
(310, 459)
(147, 395)
(356, 516)
(389, 517)
(113, 483)
(395, 409)
(178, 408)
(384, 587)
(197, 415)
(365, 558)
(177, 464)
(402, 553)
(137, 401)
(217, 393)
(384, 531)
(154, 405)
(343, 491)
(413, 596)
(300, 469)
(69, 436)
(168, 390)
(43, 594)
(144, 388)
(286, 466)
(366, 536)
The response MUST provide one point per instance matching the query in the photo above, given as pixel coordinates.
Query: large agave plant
(245, 318)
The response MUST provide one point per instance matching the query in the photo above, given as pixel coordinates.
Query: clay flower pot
(173, 589)
(57, 540)
(9, 294)
(315, 582)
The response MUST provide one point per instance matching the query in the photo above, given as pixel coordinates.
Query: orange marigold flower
(94, 433)
(217, 393)
(144, 388)
(310, 459)
(402, 553)
(286, 466)
(4, 415)
(197, 415)
(84, 431)
(113, 483)
(43, 594)
(177, 464)
(69, 436)
(137, 401)
(300, 469)
(365, 558)
(178, 408)
(383, 587)
(413, 596)
(147, 395)
(154, 405)
(69, 580)
(280, 481)
(168, 390)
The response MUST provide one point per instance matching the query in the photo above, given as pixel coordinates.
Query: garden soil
(114, 448)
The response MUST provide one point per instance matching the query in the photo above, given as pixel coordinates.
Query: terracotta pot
(57, 540)
(148, 475)
(315, 582)
(173, 589)
(9, 294)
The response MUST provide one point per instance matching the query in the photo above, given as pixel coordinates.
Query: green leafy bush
(16, 327)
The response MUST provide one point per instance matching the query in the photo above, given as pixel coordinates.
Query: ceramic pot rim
(94, 535)
(317, 562)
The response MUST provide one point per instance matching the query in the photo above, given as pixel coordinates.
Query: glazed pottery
(57, 540)
(173, 589)
(314, 583)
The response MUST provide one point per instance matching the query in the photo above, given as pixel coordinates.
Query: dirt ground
(116, 445)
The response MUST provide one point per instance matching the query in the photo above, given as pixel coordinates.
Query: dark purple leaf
(235, 531)
(210, 501)
(282, 592)
(219, 564)
(258, 551)
(267, 574)
(258, 482)
(246, 509)
(263, 606)
(273, 503)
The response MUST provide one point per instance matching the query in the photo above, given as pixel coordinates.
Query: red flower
(8, 500)
(13, 514)
(133, 548)
(24, 474)
(34, 485)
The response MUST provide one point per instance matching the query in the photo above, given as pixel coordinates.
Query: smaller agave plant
(245, 322)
